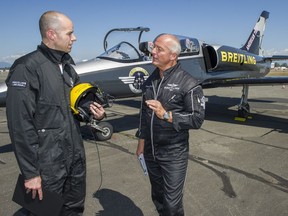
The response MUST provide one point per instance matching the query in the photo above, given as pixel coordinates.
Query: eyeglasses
(159, 49)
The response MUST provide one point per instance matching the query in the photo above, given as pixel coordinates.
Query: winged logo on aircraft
(136, 78)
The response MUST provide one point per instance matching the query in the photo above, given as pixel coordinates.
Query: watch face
(166, 116)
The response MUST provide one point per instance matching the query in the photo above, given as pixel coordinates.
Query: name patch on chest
(172, 87)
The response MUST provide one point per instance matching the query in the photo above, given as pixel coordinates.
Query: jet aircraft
(122, 68)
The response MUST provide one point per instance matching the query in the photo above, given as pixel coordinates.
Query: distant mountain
(5, 65)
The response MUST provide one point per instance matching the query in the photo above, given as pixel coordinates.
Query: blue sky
(224, 22)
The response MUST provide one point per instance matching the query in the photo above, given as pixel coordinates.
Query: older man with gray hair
(172, 103)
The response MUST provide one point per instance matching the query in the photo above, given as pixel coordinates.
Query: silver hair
(173, 43)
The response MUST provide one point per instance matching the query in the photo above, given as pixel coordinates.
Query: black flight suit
(167, 144)
(45, 136)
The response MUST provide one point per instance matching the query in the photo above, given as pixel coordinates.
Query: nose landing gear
(102, 130)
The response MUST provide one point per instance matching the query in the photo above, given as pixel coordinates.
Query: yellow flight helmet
(80, 97)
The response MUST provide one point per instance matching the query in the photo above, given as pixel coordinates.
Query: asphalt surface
(235, 168)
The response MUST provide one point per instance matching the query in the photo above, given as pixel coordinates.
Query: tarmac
(235, 167)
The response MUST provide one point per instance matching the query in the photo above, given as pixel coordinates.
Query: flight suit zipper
(155, 93)
(62, 69)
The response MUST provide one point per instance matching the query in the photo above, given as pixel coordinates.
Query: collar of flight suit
(56, 56)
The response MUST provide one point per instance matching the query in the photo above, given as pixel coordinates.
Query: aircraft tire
(108, 128)
(244, 111)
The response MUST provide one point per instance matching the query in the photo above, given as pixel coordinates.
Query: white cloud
(11, 58)
(275, 52)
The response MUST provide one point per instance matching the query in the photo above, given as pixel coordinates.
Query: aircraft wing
(276, 58)
(274, 80)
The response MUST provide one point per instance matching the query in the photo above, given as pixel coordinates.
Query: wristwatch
(166, 116)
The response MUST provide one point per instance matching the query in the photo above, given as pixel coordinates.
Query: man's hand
(157, 107)
(140, 147)
(35, 186)
(97, 110)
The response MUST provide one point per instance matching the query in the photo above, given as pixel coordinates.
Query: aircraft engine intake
(224, 58)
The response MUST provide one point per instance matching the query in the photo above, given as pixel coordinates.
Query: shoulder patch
(18, 84)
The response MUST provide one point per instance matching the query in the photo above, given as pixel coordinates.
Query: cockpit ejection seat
(146, 48)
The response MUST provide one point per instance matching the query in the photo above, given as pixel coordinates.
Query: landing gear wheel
(107, 132)
(244, 110)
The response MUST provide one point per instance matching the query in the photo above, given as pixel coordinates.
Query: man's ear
(51, 35)
(173, 56)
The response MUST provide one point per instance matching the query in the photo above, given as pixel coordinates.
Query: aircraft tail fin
(253, 44)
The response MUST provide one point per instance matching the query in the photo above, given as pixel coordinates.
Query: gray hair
(173, 43)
